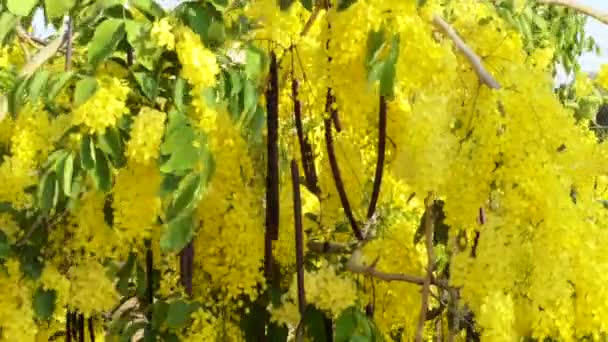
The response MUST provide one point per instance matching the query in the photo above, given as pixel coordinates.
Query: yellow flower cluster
(146, 134)
(602, 77)
(162, 35)
(91, 290)
(136, 202)
(105, 107)
(583, 86)
(16, 313)
(199, 65)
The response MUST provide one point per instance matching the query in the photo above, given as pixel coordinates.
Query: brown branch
(355, 267)
(338, 180)
(574, 5)
(381, 156)
(484, 76)
(297, 213)
(333, 112)
(428, 228)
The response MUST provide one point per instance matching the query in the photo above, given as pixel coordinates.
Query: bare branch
(355, 267)
(476, 63)
(574, 5)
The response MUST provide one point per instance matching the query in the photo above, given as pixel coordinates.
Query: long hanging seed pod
(272, 176)
(381, 156)
(333, 162)
(81, 328)
(272, 124)
(68, 326)
(305, 148)
(149, 283)
(91, 329)
(186, 258)
(333, 112)
(297, 213)
(74, 325)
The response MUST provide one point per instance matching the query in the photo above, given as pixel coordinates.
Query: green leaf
(219, 5)
(179, 145)
(87, 153)
(255, 63)
(5, 245)
(235, 82)
(57, 8)
(345, 4)
(44, 303)
(179, 313)
(199, 17)
(177, 234)
(58, 84)
(346, 325)
(149, 7)
(124, 273)
(21, 8)
(132, 329)
(101, 174)
(148, 82)
(46, 191)
(159, 314)
(68, 173)
(105, 40)
(38, 83)
(277, 333)
(308, 4)
(85, 89)
(7, 24)
(43, 55)
(250, 97)
(169, 184)
(31, 264)
(314, 322)
(187, 195)
(110, 143)
(180, 94)
(285, 4)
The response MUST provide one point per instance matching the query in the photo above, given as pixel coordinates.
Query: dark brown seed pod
(272, 125)
(91, 329)
(335, 170)
(306, 153)
(297, 213)
(381, 157)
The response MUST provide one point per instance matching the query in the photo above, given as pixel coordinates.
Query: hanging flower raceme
(146, 134)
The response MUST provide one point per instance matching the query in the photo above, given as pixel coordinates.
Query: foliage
(135, 144)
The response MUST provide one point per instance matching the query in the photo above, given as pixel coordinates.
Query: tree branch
(484, 76)
(355, 267)
(574, 5)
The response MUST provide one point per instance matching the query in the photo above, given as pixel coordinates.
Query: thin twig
(355, 267)
(297, 213)
(331, 153)
(380, 160)
(484, 76)
(428, 228)
(574, 5)
(68, 45)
